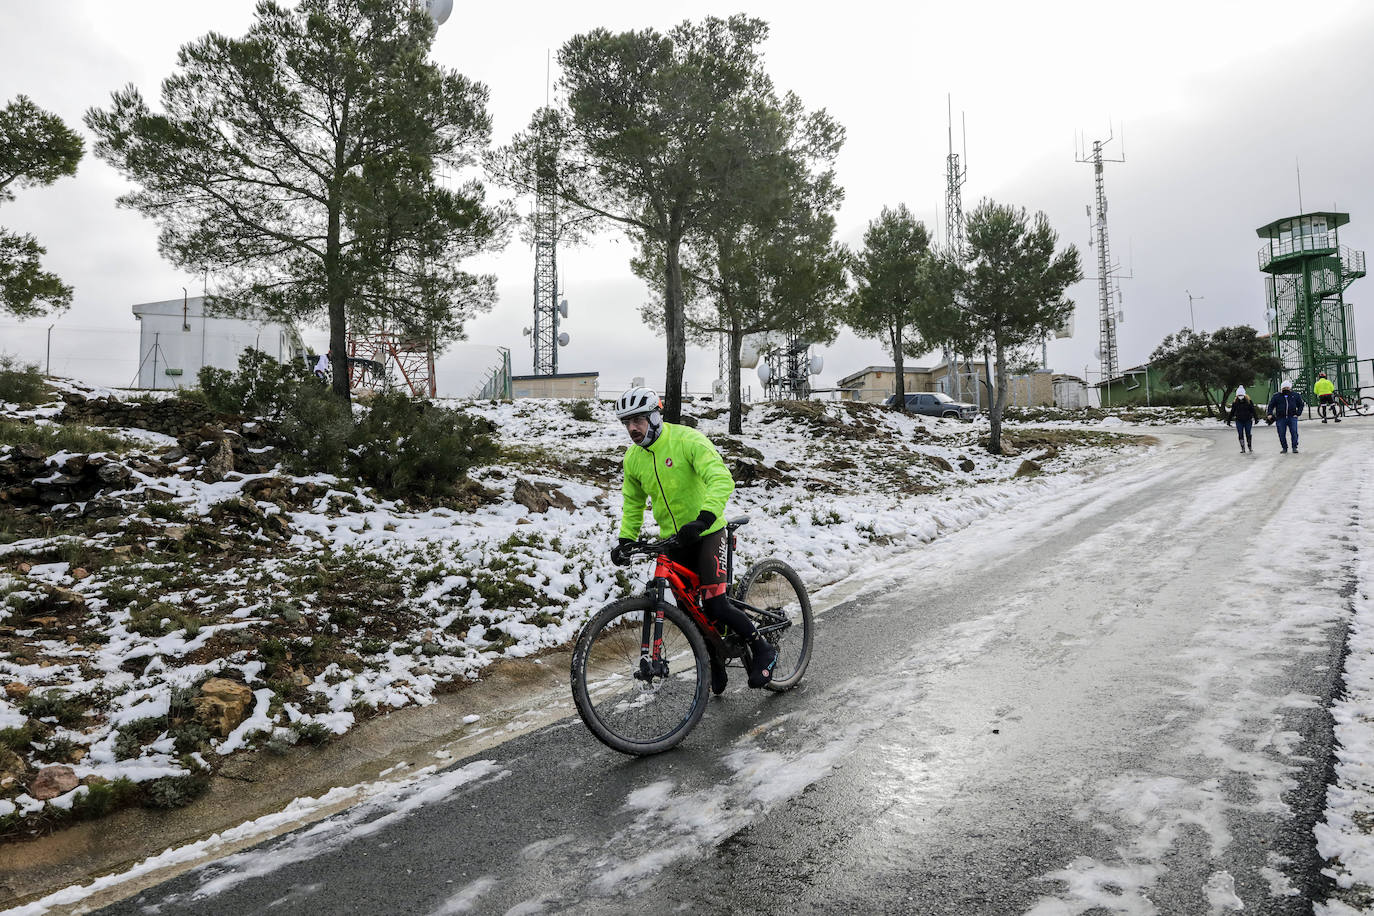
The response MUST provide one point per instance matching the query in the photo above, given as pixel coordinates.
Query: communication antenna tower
(1108, 288)
(956, 174)
(546, 338)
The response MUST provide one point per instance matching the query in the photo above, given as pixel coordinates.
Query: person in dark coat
(1243, 413)
(1285, 407)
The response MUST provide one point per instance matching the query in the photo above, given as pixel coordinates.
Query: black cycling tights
(721, 611)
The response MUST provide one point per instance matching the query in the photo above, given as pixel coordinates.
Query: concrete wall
(1036, 389)
(555, 386)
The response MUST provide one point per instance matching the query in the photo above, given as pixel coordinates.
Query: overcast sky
(1220, 105)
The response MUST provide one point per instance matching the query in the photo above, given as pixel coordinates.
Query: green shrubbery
(261, 387)
(67, 436)
(314, 433)
(398, 446)
(21, 383)
(403, 447)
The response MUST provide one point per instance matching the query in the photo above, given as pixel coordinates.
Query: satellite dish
(563, 308)
(817, 362)
(439, 10)
(563, 339)
(765, 373)
(749, 351)
(525, 331)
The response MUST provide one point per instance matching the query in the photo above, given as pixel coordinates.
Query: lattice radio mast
(546, 339)
(1108, 289)
(956, 174)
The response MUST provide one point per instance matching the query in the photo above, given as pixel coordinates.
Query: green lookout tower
(1310, 323)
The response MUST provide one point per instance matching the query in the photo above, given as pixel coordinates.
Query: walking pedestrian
(1285, 408)
(1244, 412)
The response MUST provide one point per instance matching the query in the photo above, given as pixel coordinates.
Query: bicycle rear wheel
(630, 711)
(773, 586)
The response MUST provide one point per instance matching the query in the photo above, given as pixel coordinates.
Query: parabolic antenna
(817, 362)
(563, 339)
(749, 351)
(439, 10)
(765, 373)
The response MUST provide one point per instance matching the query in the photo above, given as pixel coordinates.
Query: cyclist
(681, 474)
(1326, 395)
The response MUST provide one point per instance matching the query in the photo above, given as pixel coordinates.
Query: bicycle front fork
(652, 664)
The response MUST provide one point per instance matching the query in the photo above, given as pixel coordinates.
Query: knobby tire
(773, 585)
(634, 716)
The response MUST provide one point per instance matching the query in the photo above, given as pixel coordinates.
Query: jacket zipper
(662, 492)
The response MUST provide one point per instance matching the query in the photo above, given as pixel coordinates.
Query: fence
(109, 357)
(106, 356)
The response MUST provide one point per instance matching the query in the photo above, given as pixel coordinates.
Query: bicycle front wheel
(627, 704)
(1364, 405)
(775, 588)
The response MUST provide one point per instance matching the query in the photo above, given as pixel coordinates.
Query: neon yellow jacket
(1322, 387)
(680, 474)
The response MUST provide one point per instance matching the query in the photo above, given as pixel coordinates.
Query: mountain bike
(1353, 403)
(643, 667)
(1335, 410)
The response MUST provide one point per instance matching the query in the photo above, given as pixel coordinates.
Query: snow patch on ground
(1345, 837)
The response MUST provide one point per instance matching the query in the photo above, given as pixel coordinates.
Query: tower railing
(1352, 263)
(1298, 244)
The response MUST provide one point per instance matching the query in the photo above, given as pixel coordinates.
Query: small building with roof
(179, 336)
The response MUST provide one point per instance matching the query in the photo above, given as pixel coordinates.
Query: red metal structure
(372, 351)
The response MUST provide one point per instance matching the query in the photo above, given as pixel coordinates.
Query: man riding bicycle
(681, 474)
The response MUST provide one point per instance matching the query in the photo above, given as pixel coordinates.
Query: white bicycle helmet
(640, 401)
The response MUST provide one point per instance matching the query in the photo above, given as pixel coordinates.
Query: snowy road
(1109, 700)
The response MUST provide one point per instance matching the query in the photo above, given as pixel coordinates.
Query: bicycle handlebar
(649, 548)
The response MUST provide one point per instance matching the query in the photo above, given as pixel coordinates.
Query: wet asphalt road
(1075, 707)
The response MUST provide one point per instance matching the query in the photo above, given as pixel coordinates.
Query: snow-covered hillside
(166, 601)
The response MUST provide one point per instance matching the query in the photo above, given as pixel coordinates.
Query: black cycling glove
(690, 533)
(618, 555)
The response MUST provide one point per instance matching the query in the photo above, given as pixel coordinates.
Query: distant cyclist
(681, 474)
(1326, 395)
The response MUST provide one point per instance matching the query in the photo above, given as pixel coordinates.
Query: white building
(177, 337)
